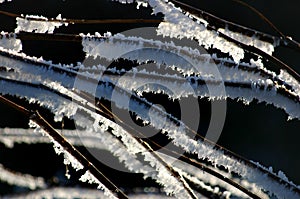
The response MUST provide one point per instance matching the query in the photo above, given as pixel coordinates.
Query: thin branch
(173, 153)
(236, 156)
(284, 40)
(263, 17)
(150, 149)
(226, 63)
(183, 158)
(229, 153)
(248, 48)
(59, 138)
(78, 38)
(83, 21)
(218, 147)
(222, 23)
(36, 117)
(88, 106)
(215, 194)
(48, 37)
(168, 167)
(282, 88)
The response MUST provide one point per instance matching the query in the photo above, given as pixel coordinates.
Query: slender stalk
(105, 110)
(184, 158)
(36, 117)
(281, 91)
(70, 72)
(77, 38)
(261, 16)
(216, 21)
(67, 146)
(230, 84)
(250, 49)
(226, 151)
(222, 23)
(83, 21)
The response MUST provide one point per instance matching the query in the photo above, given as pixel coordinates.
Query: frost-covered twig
(167, 175)
(62, 95)
(36, 117)
(11, 136)
(222, 23)
(168, 129)
(223, 62)
(80, 21)
(53, 86)
(20, 179)
(187, 160)
(207, 35)
(281, 86)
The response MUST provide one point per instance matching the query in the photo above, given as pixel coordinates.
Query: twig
(77, 38)
(250, 49)
(184, 158)
(59, 138)
(261, 16)
(36, 117)
(229, 84)
(83, 21)
(222, 23)
(195, 162)
(282, 87)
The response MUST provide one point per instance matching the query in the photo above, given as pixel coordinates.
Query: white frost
(10, 43)
(90, 178)
(21, 180)
(31, 23)
(290, 80)
(251, 41)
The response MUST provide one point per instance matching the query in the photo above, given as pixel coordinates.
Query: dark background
(258, 132)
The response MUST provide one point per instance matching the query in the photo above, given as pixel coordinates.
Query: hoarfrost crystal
(37, 24)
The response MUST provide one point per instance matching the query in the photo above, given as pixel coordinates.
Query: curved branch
(265, 19)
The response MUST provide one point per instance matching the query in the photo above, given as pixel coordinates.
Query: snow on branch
(251, 41)
(177, 134)
(215, 156)
(10, 42)
(39, 26)
(262, 86)
(20, 179)
(163, 174)
(70, 91)
(11, 136)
